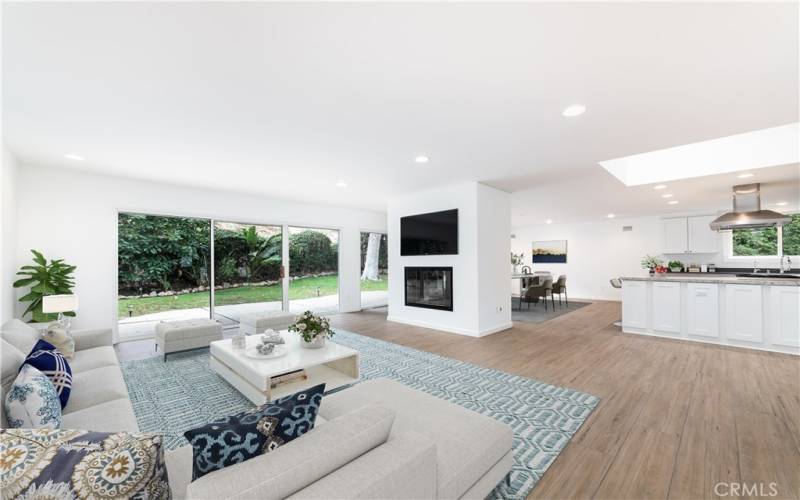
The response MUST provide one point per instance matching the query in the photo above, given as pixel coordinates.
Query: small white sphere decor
(313, 329)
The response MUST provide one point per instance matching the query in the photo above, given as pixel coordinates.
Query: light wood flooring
(675, 417)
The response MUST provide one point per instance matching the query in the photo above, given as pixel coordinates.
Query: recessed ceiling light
(71, 156)
(672, 202)
(341, 184)
(782, 203)
(574, 110)
(745, 175)
(422, 159)
(667, 195)
(660, 186)
(548, 221)
(610, 216)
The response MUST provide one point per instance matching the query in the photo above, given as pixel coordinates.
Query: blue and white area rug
(183, 393)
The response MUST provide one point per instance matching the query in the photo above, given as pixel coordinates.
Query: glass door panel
(163, 271)
(247, 270)
(313, 270)
(374, 271)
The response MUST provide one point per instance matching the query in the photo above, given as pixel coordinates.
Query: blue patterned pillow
(232, 440)
(47, 359)
(32, 402)
(57, 463)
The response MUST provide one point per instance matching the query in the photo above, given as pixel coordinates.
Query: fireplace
(430, 287)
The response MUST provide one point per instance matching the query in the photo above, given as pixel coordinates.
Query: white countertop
(715, 278)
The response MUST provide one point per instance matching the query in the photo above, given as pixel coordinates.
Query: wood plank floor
(675, 418)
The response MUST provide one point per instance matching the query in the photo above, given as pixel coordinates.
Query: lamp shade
(59, 303)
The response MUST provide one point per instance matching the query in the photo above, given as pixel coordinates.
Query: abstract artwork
(549, 252)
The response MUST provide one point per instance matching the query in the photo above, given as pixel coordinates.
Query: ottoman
(184, 335)
(253, 323)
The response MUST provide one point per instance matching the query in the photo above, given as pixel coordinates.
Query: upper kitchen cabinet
(690, 235)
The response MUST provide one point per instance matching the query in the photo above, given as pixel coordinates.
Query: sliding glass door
(163, 271)
(313, 270)
(374, 271)
(247, 270)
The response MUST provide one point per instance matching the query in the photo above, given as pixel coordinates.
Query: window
(768, 242)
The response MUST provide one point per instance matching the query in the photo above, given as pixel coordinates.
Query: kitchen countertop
(715, 278)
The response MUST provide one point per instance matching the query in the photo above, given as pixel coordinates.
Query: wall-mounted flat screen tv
(429, 234)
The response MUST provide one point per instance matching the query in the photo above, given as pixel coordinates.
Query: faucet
(788, 265)
(526, 270)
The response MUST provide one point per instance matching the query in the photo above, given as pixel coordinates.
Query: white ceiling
(288, 99)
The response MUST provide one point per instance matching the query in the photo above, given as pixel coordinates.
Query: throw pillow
(48, 360)
(43, 463)
(234, 439)
(61, 339)
(32, 401)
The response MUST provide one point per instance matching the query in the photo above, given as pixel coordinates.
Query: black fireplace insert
(429, 287)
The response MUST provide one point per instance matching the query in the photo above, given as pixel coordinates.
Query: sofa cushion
(47, 359)
(96, 357)
(84, 464)
(96, 386)
(303, 461)
(467, 444)
(112, 416)
(179, 465)
(234, 439)
(32, 401)
(19, 334)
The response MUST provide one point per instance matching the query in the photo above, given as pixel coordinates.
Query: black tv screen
(429, 234)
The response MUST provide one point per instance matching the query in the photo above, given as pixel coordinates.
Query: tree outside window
(768, 242)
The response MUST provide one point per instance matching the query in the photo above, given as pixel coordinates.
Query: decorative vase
(317, 343)
(516, 269)
(652, 271)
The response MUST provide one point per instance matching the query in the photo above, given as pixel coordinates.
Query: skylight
(757, 149)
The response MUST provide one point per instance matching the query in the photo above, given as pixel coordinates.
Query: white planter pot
(317, 343)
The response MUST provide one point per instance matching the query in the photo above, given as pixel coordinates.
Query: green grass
(303, 288)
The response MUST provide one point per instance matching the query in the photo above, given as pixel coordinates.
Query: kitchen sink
(769, 275)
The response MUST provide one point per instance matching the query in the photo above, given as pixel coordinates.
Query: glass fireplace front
(430, 287)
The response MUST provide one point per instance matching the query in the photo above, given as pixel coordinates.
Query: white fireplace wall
(481, 302)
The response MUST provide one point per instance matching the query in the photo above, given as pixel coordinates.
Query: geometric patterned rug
(183, 393)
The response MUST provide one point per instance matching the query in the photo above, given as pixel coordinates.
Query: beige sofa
(377, 439)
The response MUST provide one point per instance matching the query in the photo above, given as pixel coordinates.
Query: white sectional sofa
(377, 439)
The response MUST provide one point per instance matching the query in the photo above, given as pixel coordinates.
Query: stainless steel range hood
(747, 213)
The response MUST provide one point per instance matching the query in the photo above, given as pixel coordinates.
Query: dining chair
(560, 287)
(541, 291)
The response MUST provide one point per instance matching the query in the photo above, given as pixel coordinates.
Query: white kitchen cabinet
(784, 302)
(702, 309)
(634, 304)
(667, 307)
(690, 235)
(702, 239)
(743, 313)
(676, 235)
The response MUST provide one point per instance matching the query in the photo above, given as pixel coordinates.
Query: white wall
(73, 215)
(596, 252)
(484, 216)
(8, 233)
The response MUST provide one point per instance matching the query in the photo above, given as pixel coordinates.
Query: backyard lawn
(303, 288)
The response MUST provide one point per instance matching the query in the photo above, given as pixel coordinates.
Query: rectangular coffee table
(334, 364)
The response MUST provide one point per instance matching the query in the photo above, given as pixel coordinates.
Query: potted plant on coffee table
(313, 329)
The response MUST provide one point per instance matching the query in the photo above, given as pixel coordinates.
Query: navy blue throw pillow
(46, 358)
(234, 439)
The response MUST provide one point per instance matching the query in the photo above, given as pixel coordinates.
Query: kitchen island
(752, 312)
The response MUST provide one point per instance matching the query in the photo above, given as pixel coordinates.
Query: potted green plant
(675, 266)
(43, 279)
(650, 263)
(313, 329)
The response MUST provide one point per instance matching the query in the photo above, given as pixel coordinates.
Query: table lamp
(60, 304)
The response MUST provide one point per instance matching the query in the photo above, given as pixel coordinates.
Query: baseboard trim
(444, 328)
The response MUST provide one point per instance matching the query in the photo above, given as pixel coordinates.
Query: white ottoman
(184, 335)
(253, 323)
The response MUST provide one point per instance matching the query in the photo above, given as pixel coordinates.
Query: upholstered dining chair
(560, 287)
(542, 291)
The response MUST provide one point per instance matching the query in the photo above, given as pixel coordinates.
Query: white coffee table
(334, 364)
